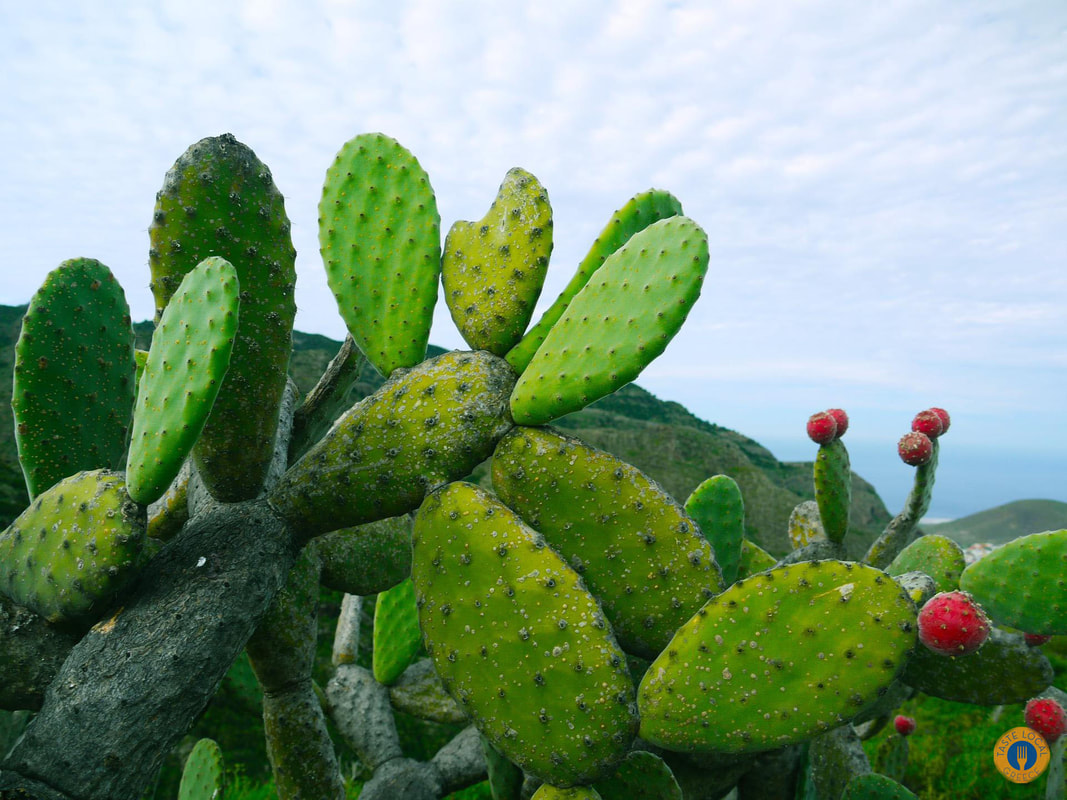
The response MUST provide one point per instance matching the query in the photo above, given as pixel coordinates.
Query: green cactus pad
(493, 269)
(397, 637)
(638, 213)
(754, 559)
(1023, 584)
(204, 776)
(937, 556)
(186, 366)
(778, 658)
(547, 791)
(380, 239)
(631, 542)
(833, 488)
(74, 548)
(220, 200)
(505, 779)
(873, 786)
(366, 559)
(718, 508)
(805, 526)
(641, 776)
(74, 375)
(518, 640)
(617, 324)
(422, 428)
(1002, 671)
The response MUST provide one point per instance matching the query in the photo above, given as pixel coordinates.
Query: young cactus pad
(493, 269)
(631, 542)
(833, 489)
(518, 640)
(380, 239)
(186, 365)
(1022, 584)
(219, 199)
(717, 507)
(778, 658)
(397, 637)
(74, 375)
(422, 428)
(77, 545)
(937, 556)
(617, 324)
(641, 776)
(204, 775)
(638, 213)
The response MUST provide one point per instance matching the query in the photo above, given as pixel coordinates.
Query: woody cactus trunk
(600, 637)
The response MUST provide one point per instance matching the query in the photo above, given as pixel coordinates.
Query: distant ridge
(1002, 524)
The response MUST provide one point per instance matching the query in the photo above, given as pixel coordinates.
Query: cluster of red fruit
(827, 425)
(917, 447)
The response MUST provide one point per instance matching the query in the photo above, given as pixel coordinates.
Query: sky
(884, 186)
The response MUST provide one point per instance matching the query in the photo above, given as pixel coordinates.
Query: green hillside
(661, 438)
(1002, 524)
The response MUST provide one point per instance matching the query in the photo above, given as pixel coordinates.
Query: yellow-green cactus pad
(518, 640)
(1023, 584)
(937, 556)
(546, 791)
(754, 559)
(397, 637)
(220, 200)
(805, 526)
(74, 375)
(717, 507)
(204, 775)
(74, 548)
(639, 212)
(632, 543)
(778, 658)
(617, 324)
(422, 428)
(380, 238)
(493, 269)
(187, 363)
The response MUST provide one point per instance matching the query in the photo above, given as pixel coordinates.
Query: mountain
(1002, 524)
(661, 438)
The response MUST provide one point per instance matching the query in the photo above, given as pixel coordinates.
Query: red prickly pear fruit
(905, 725)
(952, 624)
(1036, 639)
(928, 422)
(915, 449)
(841, 418)
(822, 427)
(945, 420)
(1047, 717)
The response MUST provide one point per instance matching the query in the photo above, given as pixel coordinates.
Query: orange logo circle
(1021, 754)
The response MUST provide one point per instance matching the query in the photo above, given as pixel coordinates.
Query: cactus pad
(937, 556)
(873, 786)
(380, 239)
(74, 548)
(833, 489)
(493, 269)
(547, 791)
(805, 526)
(754, 559)
(638, 213)
(204, 776)
(422, 428)
(631, 542)
(74, 375)
(641, 776)
(718, 508)
(518, 640)
(397, 637)
(1023, 584)
(219, 199)
(617, 324)
(778, 658)
(186, 365)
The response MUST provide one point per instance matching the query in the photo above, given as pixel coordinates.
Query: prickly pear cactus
(493, 269)
(220, 200)
(937, 556)
(631, 542)
(641, 776)
(74, 548)
(805, 526)
(397, 637)
(74, 375)
(873, 786)
(380, 238)
(778, 658)
(717, 507)
(204, 775)
(833, 488)
(518, 640)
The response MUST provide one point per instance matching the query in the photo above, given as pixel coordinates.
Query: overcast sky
(884, 186)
